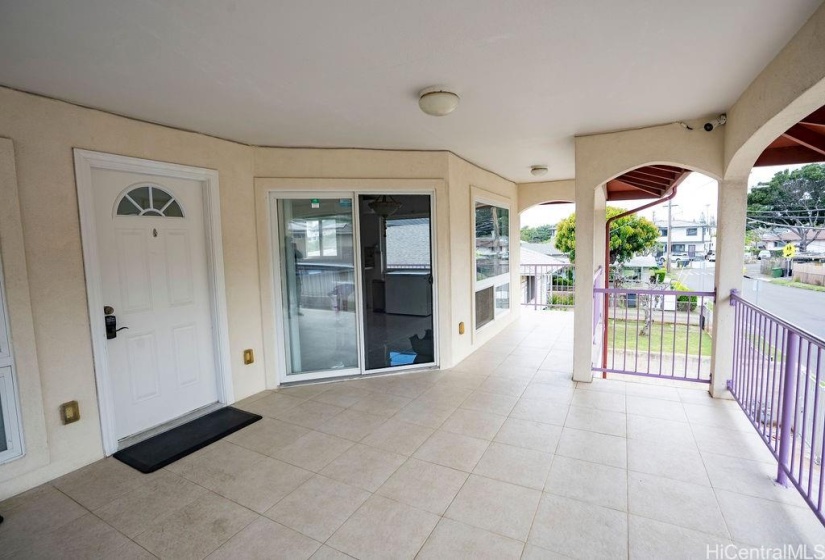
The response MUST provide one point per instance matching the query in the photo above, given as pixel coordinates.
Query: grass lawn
(658, 341)
(800, 285)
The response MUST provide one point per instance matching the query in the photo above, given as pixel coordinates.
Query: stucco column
(730, 251)
(586, 262)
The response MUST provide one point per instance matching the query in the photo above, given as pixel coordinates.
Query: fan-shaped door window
(149, 200)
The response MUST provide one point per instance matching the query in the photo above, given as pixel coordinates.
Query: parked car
(680, 259)
(711, 257)
(764, 254)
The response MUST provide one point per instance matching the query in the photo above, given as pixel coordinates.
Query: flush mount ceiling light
(437, 101)
(538, 170)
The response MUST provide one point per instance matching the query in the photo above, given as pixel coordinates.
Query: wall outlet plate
(69, 412)
(248, 356)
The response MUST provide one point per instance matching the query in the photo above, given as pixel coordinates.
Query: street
(803, 308)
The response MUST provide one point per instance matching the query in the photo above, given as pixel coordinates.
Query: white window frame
(494, 281)
(323, 249)
(9, 400)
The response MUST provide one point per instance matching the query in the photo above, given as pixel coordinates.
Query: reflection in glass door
(318, 277)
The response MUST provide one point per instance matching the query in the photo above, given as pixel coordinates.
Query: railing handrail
(651, 292)
(775, 367)
(736, 297)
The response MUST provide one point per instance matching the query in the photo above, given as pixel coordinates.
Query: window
(492, 241)
(322, 237)
(492, 262)
(692, 232)
(662, 231)
(148, 200)
(11, 445)
(503, 296)
(408, 243)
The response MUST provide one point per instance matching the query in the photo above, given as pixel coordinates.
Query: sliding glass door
(319, 287)
(396, 241)
(355, 279)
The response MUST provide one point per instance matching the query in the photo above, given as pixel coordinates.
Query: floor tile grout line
(713, 489)
(91, 512)
(627, 478)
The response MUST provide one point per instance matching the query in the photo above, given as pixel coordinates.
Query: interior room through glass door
(319, 287)
(396, 249)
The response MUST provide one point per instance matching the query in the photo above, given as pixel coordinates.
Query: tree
(791, 200)
(628, 236)
(539, 234)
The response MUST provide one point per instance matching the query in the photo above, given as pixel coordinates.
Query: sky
(697, 196)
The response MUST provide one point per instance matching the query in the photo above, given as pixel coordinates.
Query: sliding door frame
(267, 192)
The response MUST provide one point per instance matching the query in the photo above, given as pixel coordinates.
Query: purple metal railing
(657, 333)
(598, 308)
(778, 380)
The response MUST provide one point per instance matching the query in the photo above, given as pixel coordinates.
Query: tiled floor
(501, 457)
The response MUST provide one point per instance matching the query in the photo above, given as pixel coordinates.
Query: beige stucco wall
(530, 194)
(455, 180)
(38, 136)
(790, 87)
(15, 282)
(601, 157)
(43, 133)
(467, 181)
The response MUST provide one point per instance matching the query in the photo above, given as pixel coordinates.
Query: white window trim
(9, 399)
(494, 281)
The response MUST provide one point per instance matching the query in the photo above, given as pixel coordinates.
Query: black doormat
(166, 448)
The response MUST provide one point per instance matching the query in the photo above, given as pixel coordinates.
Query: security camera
(719, 121)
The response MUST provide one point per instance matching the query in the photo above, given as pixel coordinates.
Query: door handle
(111, 323)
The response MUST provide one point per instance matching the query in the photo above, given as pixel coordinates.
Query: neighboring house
(548, 249)
(816, 241)
(408, 243)
(691, 238)
(537, 271)
(639, 268)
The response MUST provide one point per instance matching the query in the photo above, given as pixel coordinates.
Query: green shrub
(659, 275)
(563, 299)
(683, 303)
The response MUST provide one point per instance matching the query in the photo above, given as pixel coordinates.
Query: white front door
(154, 276)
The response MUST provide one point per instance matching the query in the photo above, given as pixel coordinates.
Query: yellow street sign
(789, 251)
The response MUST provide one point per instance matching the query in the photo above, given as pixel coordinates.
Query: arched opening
(785, 224)
(658, 251)
(775, 356)
(545, 269)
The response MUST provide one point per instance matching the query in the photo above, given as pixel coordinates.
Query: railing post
(789, 371)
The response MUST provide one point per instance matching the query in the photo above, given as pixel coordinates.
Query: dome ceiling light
(437, 101)
(538, 170)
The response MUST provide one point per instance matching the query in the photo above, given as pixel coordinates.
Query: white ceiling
(330, 73)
